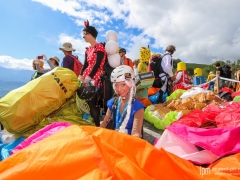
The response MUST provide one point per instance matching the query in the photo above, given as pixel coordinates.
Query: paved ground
(150, 133)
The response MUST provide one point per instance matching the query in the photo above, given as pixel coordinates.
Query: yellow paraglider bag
(23, 108)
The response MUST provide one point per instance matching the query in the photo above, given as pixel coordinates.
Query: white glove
(86, 80)
(45, 57)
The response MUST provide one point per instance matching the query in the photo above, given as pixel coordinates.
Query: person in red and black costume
(93, 67)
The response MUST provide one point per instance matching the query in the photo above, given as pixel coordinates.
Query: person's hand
(37, 60)
(80, 77)
(173, 77)
(45, 57)
(86, 80)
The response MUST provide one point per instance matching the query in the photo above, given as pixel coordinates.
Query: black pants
(94, 110)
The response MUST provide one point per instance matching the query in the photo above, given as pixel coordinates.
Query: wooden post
(217, 83)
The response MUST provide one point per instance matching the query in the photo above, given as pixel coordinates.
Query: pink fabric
(235, 94)
(195, 118)
(230, 115)
(41, 134)
(155, 141)
(212, 111)
(220, 141)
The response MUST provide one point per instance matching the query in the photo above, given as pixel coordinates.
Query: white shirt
(167, 64)
(135, 71)
(178, 77)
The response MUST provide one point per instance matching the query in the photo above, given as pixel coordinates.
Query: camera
(40, 57)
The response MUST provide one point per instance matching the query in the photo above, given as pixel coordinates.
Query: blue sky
(202, 32)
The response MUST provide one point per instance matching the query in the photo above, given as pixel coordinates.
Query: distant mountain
(7, 86)
(15, 75)
(11, 79)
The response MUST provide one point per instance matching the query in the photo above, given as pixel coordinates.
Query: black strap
(111, 124)
(114, 107)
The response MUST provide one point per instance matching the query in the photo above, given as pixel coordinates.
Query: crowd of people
(128, 114)
(123, 111)
(224, 71)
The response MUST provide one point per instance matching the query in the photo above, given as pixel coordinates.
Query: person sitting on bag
(95, 57)
(125, 113)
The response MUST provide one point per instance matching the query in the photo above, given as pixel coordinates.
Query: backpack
(226, 71)
(106, 91)
(77, 66)
(155, 65)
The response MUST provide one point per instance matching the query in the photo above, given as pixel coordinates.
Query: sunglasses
(84, 34)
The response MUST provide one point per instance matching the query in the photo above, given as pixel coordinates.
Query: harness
(112, 120)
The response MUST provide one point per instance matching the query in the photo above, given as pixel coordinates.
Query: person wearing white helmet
(128, 111)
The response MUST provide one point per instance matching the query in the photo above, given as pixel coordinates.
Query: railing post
(218, 84)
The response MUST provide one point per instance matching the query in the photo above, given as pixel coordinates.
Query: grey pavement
(150, 133)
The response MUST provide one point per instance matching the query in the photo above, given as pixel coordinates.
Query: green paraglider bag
(157, 122)
(236, 99)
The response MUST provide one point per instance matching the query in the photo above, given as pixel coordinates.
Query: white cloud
(11, 63)
(202, 31)
(136, 44)
(77, 43)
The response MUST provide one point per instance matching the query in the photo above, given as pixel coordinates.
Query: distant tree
(190, 71)
(229, 62)
(175, 62)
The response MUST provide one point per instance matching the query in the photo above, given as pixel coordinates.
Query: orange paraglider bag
(145, 101)
(152, 91)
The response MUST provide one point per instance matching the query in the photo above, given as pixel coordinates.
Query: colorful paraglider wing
(96, 153)
(220, 141)
(41, 134)
(178, 146)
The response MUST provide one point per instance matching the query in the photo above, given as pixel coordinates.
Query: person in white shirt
(167, 66)
(135, 66)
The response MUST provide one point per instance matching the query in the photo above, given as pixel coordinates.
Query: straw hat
(67, 47)
(55, 58)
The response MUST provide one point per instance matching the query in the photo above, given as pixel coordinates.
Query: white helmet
(122, 73)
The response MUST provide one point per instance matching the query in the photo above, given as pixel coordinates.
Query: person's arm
(98, 60)
(138, 123)
(208, 78)
(50, 64)
(167, 64)
(85, 65)
(106, 119)
(39, 69)
(218, 71)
